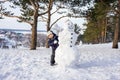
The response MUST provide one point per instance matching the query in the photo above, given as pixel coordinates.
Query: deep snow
(96, 62)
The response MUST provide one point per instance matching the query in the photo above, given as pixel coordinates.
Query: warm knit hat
(49, 32)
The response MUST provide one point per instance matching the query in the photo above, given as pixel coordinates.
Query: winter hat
(49, 32)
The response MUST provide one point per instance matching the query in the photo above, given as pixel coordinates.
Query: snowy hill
(96, 62)
(9, 39)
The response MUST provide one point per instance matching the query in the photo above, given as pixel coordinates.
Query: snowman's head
(68, 25)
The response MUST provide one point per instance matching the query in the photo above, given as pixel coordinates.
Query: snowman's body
(66, 53)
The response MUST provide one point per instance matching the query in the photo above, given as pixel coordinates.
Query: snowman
(67, 53)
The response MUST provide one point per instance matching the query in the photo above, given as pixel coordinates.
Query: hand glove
(55, 42)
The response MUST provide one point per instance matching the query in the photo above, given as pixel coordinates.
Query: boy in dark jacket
(53, 42)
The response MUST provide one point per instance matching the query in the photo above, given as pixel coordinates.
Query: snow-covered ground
(96, 62)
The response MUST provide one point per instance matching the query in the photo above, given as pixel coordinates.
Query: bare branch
(46, 5)
(59, 7)
(64, 17)
(49, 8)
(77, 16)
(117, 11)
(55, 11)
(36, 4)
(43, 19)
(43, 13)
(57, 20)
(33, 4)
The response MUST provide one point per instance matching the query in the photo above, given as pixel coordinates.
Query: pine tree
(30, 11)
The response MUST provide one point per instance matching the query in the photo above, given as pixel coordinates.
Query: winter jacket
(51, 42)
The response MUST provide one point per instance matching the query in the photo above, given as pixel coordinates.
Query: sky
(12, 23)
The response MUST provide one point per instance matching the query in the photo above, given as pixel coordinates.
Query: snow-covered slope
(96, 62)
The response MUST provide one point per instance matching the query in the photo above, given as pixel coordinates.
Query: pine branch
(18, 17)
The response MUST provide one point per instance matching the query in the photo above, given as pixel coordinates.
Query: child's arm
(50, 42)
(53, 41)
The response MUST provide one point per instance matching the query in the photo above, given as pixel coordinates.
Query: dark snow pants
(52, 61)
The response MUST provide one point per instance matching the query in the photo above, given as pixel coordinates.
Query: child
(53, 42)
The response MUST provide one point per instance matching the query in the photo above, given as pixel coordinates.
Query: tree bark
(49, 20)
(34, 31)
(34, 38)
(105, 30)
(116, 34)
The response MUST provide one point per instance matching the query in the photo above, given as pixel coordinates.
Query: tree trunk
(34, 31)
(48, 26)
(34, 38)
(119, 22)
(119, 33)
(116, 34)
(105, 30)
(49, 20)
